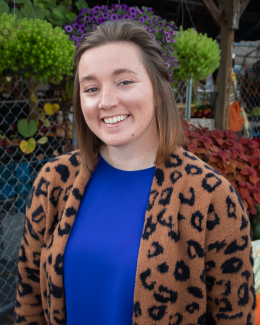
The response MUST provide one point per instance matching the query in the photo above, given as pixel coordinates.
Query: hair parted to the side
(169, 123)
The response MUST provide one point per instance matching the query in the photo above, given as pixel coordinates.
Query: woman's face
(116, 95)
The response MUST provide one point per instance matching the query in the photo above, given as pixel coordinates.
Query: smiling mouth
(115, 119)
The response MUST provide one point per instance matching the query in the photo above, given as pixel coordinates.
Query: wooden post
(224, 74)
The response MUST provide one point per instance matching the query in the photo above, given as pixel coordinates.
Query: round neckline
(124, 171)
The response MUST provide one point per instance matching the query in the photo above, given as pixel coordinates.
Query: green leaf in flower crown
(27, 129)
(258, 208)
(4, 9)
(69, 87)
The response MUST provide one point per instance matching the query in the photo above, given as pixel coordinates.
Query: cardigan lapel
(56, 247)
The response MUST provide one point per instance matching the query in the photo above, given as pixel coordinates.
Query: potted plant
(161, 30)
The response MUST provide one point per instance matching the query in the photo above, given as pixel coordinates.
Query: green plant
(198, 55)
(237, 161)
(58, 12)
(35, 47)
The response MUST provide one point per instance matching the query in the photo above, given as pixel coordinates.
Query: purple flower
(153, 37)
(146, 17)
(156, 30)
(96, 9)
(75, 25)
(126, 17)
(100, 20)
(139, 11)
(123, 7)
(105, 15)
(149, 9)
(167, 34)
(86, 19)
(150, 30)
(132, 11)
(68, 28)
(150, 21)
(126, 9)
(167, 65)
(114, 17)
(168, 40)
(104, 8)
(141, 19)
(112, 10)
(145, 27)
(133, 16)
(160, 24)
(90, 11)
(173, 40)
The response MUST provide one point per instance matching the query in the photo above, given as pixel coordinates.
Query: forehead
(109, 57)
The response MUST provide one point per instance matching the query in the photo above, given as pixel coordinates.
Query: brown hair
(167, 116)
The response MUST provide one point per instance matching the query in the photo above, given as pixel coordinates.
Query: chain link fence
(24, 149)
(22, 99)
(249, 88)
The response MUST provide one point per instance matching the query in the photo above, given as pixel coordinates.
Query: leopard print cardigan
(195, 260)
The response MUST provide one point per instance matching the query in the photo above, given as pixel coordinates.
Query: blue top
(100, 258)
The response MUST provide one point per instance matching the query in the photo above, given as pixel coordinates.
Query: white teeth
(115, 119)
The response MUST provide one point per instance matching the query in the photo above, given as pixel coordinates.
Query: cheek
(89, 108)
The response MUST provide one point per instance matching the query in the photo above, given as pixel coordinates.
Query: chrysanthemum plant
(159, 29)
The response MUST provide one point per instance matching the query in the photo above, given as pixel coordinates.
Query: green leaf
(62, 9)
(71, 17)
(84, 4)
(28, 11)
(27, 129)
(31, 144)
(258, 208)
(4, 9)
(57, 14)
(16, 13)
(39, 12)
(42, 140)
(52, 19)
(69, 87)
(19, 1)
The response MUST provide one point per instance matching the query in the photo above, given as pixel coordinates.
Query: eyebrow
(115, 73)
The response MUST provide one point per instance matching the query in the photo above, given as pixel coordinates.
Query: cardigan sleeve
(229, 271)
(28, 304)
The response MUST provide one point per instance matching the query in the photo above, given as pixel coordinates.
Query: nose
(108, 97)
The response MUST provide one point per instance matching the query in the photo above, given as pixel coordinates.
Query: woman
(132, 228)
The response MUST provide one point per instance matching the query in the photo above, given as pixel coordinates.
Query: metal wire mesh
(249, 87)
(18, 170)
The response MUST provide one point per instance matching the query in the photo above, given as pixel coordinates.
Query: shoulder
(57, 173)
(213, 196)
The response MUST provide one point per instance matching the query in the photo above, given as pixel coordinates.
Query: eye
(126, 82)
(90, 90)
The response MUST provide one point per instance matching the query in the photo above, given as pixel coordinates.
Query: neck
(133, 156)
